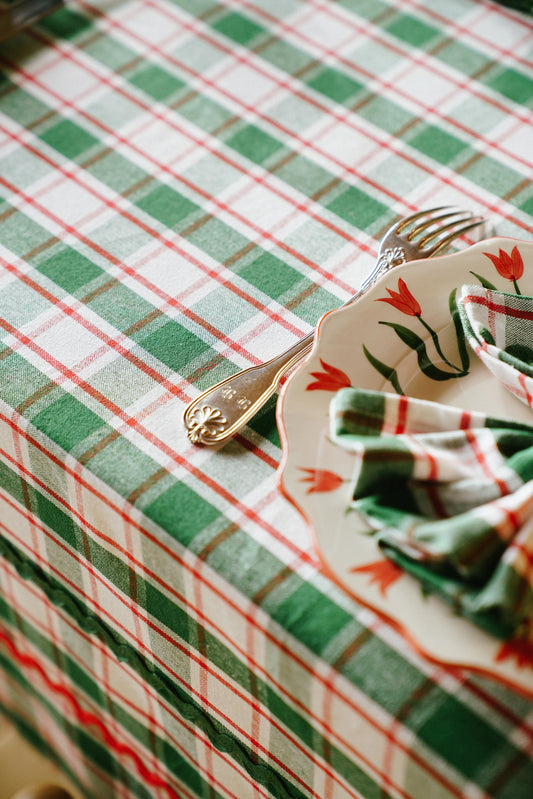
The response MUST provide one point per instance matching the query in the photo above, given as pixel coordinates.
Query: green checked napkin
(449, 494)
(499, 328)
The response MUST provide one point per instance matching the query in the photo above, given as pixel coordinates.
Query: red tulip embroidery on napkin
(331, 379)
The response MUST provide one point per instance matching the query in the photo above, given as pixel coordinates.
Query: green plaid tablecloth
(186, 186)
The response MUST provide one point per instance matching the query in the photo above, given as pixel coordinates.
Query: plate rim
(323, 565)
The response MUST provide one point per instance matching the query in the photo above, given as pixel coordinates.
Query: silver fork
(217, 414)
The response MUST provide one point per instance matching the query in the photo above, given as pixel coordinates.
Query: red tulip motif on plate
(510, 266)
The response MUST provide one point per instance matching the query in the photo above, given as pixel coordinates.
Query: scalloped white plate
(348, 555)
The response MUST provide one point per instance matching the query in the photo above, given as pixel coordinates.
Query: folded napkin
(449, 495)
(499, 327)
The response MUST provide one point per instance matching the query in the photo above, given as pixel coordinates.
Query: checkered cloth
(499, 328)
(185, 187)
(451, 494)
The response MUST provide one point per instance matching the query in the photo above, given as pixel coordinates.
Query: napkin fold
(449, 495)
(499, 328)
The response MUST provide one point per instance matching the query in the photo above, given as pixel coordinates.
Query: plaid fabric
(185, 187)
(520, 5)
(499, 328)
(451, 494)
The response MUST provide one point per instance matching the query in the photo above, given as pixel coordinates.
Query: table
(186, 187)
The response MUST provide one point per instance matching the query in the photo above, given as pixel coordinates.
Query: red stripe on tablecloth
(205, 666)
(255, 703)
(148, 691)
(287, 651)
(172, 245)
(141, 628)
(201, 661)
(471, 32)
(447, 180)
(89, 719)
(169, 553)
(326, 54)
(373, 32)
(36, 540)
(180, 178)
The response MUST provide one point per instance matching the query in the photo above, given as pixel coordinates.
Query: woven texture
(186, 186)
(450, 493)
(498, 328)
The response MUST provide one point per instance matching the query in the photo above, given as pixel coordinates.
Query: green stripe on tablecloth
(253, 143)
(31, 733)
(392, 687)
(76, 273)
(260, 770)
(171, 206)
(170, 616)
(407, 28)
(487, 172)
(243, 29)
(95, 751)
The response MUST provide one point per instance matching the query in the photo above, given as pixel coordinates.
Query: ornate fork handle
(217, 414)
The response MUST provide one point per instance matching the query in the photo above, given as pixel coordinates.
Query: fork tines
(461, 222)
